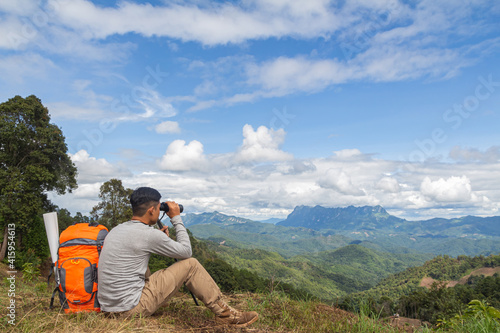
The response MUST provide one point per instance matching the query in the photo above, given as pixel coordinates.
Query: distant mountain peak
(214, 217)
(341, 218)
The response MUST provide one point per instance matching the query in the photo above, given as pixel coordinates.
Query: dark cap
(144, 195)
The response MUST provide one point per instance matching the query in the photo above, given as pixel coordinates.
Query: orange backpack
(76, 275)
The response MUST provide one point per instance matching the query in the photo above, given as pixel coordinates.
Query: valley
(334, 252)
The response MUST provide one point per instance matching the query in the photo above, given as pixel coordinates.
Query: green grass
(277, 313)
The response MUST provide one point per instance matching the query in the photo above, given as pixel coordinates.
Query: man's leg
(163, 284)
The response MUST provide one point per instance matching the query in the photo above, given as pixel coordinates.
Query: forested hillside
(327, 275)
(405, 293)
(230, 278)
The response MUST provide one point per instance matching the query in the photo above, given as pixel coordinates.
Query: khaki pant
(163, 284)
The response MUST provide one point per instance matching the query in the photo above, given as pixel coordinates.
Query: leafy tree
(33, 161)
(80, 218)
(64, 219)
(115, 205)
(36, 239)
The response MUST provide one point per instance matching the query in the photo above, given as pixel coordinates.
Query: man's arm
(182, 234)
(164, 245)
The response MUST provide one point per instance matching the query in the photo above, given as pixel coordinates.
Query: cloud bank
(271, 182)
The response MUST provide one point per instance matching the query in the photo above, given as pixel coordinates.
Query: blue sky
(253, 107)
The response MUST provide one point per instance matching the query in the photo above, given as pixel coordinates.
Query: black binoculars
(164, 207)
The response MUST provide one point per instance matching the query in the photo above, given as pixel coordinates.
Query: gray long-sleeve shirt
(124, 260)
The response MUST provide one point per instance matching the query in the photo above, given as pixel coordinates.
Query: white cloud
(262, 145)
(82, 88)
(253, 190)
(94, 106)
(150, 103)
(453, 189)
(71, 44)
(202, 105)
(286, 75)
(390, 40)
(168, 127)
(296, 167)
(29, 66)
(141, 104)
(210, 24)
(10, 36)
(348, 154)
(88, 191)
(34, 26)
(19, 7)
(388, 184)
(205, 88)
(182, 157)
(397, 44)
(340, 181)
(155, 104)
(491, 155)
(91, 169)
(63, 110)
(389, 63)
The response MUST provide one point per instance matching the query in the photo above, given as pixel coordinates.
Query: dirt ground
(486, 271)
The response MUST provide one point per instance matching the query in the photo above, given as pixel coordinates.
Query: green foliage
(34, 161)
(30, 272)
(114, 207)
(326, 275)
(478, 308)
(452, 246)
(287, 241)
(401, 292)
(429, 305)
(227, 277)
(479, 316)
(64, 219)
(36, 239)
(27, 256)
(443, 268)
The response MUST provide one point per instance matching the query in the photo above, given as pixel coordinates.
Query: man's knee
(192, 262)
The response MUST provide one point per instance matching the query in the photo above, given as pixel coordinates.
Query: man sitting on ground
(125, 284)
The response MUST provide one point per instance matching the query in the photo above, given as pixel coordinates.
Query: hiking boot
(227, 315)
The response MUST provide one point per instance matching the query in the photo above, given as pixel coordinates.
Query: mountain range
(332, 252)
(376, 218)
(314, 229)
